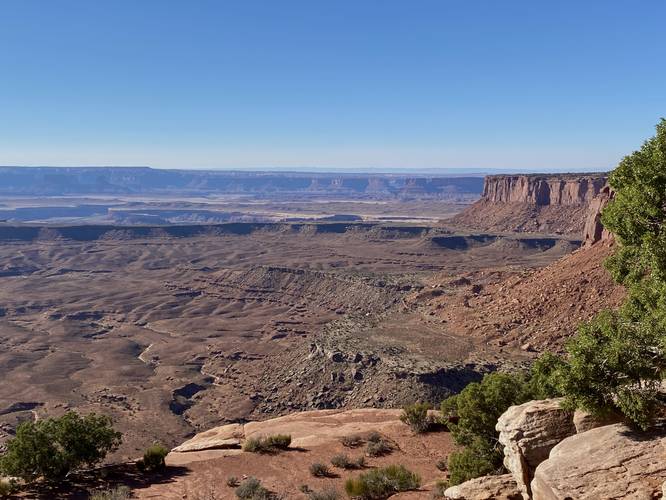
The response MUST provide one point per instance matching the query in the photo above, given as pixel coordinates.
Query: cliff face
(543, 190)
(594, 230)
(534, 203)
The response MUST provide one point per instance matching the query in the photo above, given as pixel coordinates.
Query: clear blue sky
(532, 84)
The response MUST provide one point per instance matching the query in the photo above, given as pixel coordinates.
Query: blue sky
(411, 84)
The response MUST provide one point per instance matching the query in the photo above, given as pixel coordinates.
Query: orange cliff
(556, 203)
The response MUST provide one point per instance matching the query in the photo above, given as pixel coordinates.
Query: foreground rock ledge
(307, 429)
(502, 487)
(607, 462)
(528, 433)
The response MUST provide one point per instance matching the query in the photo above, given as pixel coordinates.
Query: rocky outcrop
(594, 230)
(502, 487)
(584, 421)
(223, 437)
(528, 433)
(542, 190)
(607, 462)
(534, 203)
(307, 429)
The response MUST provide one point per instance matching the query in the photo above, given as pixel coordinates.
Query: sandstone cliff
(594, 230)
(534, 203)
(543, 190)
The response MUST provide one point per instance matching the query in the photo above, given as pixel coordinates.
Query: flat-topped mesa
(543, 190)
(539, 203)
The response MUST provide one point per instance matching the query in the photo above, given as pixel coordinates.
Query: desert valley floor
(177, 329)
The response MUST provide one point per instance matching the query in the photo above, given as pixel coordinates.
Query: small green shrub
(153, 459)
(478, 458)
(279, 441)
(342, 461)
(325, 494)
(379, 484)
(320, 470)
(119, 493)
(251, 489)
(352, 441)
(378, 448)
(267, 444)
(416, 416)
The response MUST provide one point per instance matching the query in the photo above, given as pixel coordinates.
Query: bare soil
(178, 329)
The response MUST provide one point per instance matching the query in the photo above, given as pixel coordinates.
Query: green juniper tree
(617, 360)
(54, 447)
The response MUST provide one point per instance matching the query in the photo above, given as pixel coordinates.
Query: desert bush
(382, 483)
(267, 444)
(378, 448)
(416, 416)
(279, 441)
(325, 494)
(53, 447)
(320, 470)
(251, 489)
(479, 458)
(479, 405)
(153, 459)
(118, 493)
(342, 461)
(352, 441)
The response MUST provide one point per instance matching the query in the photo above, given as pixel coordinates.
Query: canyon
(175, 328)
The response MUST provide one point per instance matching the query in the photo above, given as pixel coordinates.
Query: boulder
(585, 421)
(225, 436)
(528, 433)
(486, 488)
(613, 461)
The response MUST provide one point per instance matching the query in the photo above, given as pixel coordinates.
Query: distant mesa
(61, 181)
(555, 203)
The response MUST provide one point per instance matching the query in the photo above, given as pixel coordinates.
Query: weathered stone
(528, 433)
(585, 421)
(226, 436)
(594, 230)
(486, 488)
(607, 462)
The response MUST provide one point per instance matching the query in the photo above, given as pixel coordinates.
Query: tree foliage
(478, 407)
(618, 359)
(53, 447)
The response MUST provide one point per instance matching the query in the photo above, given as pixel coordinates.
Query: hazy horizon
(461, 171)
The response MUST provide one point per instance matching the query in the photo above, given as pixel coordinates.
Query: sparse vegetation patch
(267, 444)
(381, 483)
(342, 461)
